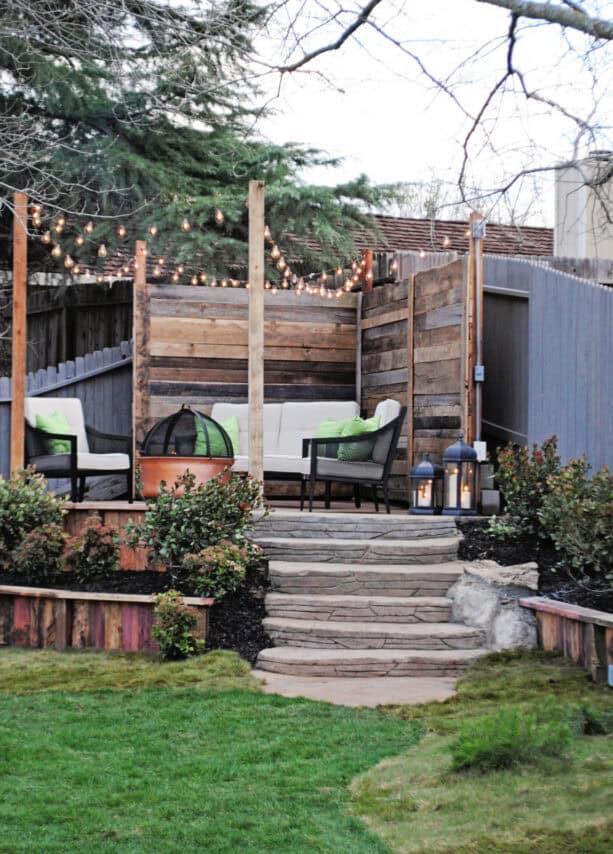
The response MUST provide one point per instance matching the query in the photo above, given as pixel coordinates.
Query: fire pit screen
(187, 433)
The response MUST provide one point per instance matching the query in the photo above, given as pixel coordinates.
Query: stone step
(312, 549)
(364, 663)
(342, 579)
(379, 609)
(356, 526)
(363, 635)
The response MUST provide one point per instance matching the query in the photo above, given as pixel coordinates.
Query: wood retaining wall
(583, 635)
(43, 618)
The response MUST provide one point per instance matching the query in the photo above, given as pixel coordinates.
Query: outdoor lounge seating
(91, 452)
(291, 452)
(374, 467)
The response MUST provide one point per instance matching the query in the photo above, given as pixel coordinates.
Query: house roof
(399, 234)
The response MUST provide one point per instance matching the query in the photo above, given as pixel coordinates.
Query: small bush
(39, 556)
(511, 737)
(25, 506)
(215, 570)
(524, 479)
(174, 627)
(95, 552)
(577, 514)
(180, 523)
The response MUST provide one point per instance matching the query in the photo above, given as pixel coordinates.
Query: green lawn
(417, 804)
(192, 757)
(169, 769)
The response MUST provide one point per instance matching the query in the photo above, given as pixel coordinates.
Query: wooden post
(367, 273)
(140, 344)
(18, 349)
(410, 377)
(256, 330)
(358, 350)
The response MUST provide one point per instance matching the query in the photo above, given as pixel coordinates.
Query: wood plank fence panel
(101, 380)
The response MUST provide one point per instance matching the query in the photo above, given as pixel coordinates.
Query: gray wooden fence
(548, 353)
(102, 380)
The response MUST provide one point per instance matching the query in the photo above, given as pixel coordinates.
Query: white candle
(452, 489)
(424, 494)
(466, 498)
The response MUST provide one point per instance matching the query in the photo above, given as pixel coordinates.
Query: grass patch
(417, 803)
(24, 671)
(178, 769)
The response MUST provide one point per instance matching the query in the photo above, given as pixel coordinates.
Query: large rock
(487, 597)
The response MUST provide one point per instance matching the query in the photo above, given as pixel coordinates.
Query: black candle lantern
(460, 483)
(426, 488)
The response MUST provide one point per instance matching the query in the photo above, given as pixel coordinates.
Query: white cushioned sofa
(291, 452)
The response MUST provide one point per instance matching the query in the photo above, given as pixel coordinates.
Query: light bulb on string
(219, 216)
(224, 283)
(180, 269)
(422, 254)
(58, 228)
(273, 290)
(76, 270)
(157, 271)
(100, 279)
(275, 252)
(203, 278)
(322, 291)
(194, 280)
(161, 261)
(89, 227)
(121, 231)
(102, 253)
(126, 268)
(57, 251)
(235, 283)
(267, 235)
(46, 237)
(213, 283)
(267, 285)
(185, 225)
(285, 283)
(37, 210)
(348, 284)
(68, 262)
(153, 230)
(446, 241)
(247, 285)
(79, 240)
(175, 277)
(354, 265)
(394, 266)
(330, 295)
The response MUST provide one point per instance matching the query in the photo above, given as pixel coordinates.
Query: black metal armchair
(92, 453)
(373, 469)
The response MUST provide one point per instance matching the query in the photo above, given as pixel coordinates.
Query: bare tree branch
(571, 16)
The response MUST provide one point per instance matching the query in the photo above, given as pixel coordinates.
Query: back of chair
(72, 410)
(387, 440)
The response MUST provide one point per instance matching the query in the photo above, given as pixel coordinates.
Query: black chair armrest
(40, 438)
(108, 443)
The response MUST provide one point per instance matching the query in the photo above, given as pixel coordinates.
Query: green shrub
(39, 555)
(213, 571)
(577, 514)
(25, 507)
(524, 479)
(511, 737)
(174, 627)
(186, 518)
(95, 552)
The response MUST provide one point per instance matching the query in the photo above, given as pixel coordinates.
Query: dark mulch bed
(235, 623)
(555, 579)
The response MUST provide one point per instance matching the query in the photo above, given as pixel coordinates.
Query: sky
(370, 104)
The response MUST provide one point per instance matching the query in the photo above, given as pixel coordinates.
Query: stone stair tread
(419, 543)
(294, 653)
(359, 601)
(331, 627)
(451, 570)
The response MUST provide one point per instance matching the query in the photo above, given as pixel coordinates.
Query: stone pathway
(361, 596)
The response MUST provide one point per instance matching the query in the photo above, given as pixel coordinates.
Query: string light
(46, 237)
(89, 227)
(121, 231)
(281, 263)
(224, 283)
(194, 280)
(422, 254)
(68, 262)
(203, 277)
(185, 226)
(100, 279)
(79, 240)
(153, 230)
(161, 261)
(175, 277)
(275, 252)
(267, 235)
(446, 241)
(57, 251)
(58, 227)
(76, 270)
(180, 269)
(219, 216)
(102, 252)
(213, 283)
(156, 271)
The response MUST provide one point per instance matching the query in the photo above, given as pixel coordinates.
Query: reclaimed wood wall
(414, 350)
(191, 347)
(385, 362)
(46, 618)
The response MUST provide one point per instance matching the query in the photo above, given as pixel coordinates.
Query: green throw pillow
(357, 451)
(55, 423)
(328, 429)
(218, 448)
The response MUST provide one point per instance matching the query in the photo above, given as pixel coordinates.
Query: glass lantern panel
(424, 494)
(452, 482)
(467, 501)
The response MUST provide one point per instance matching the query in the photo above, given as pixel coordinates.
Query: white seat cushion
(300, 421)
(387, 410)
(70, 407)
(103, 462)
